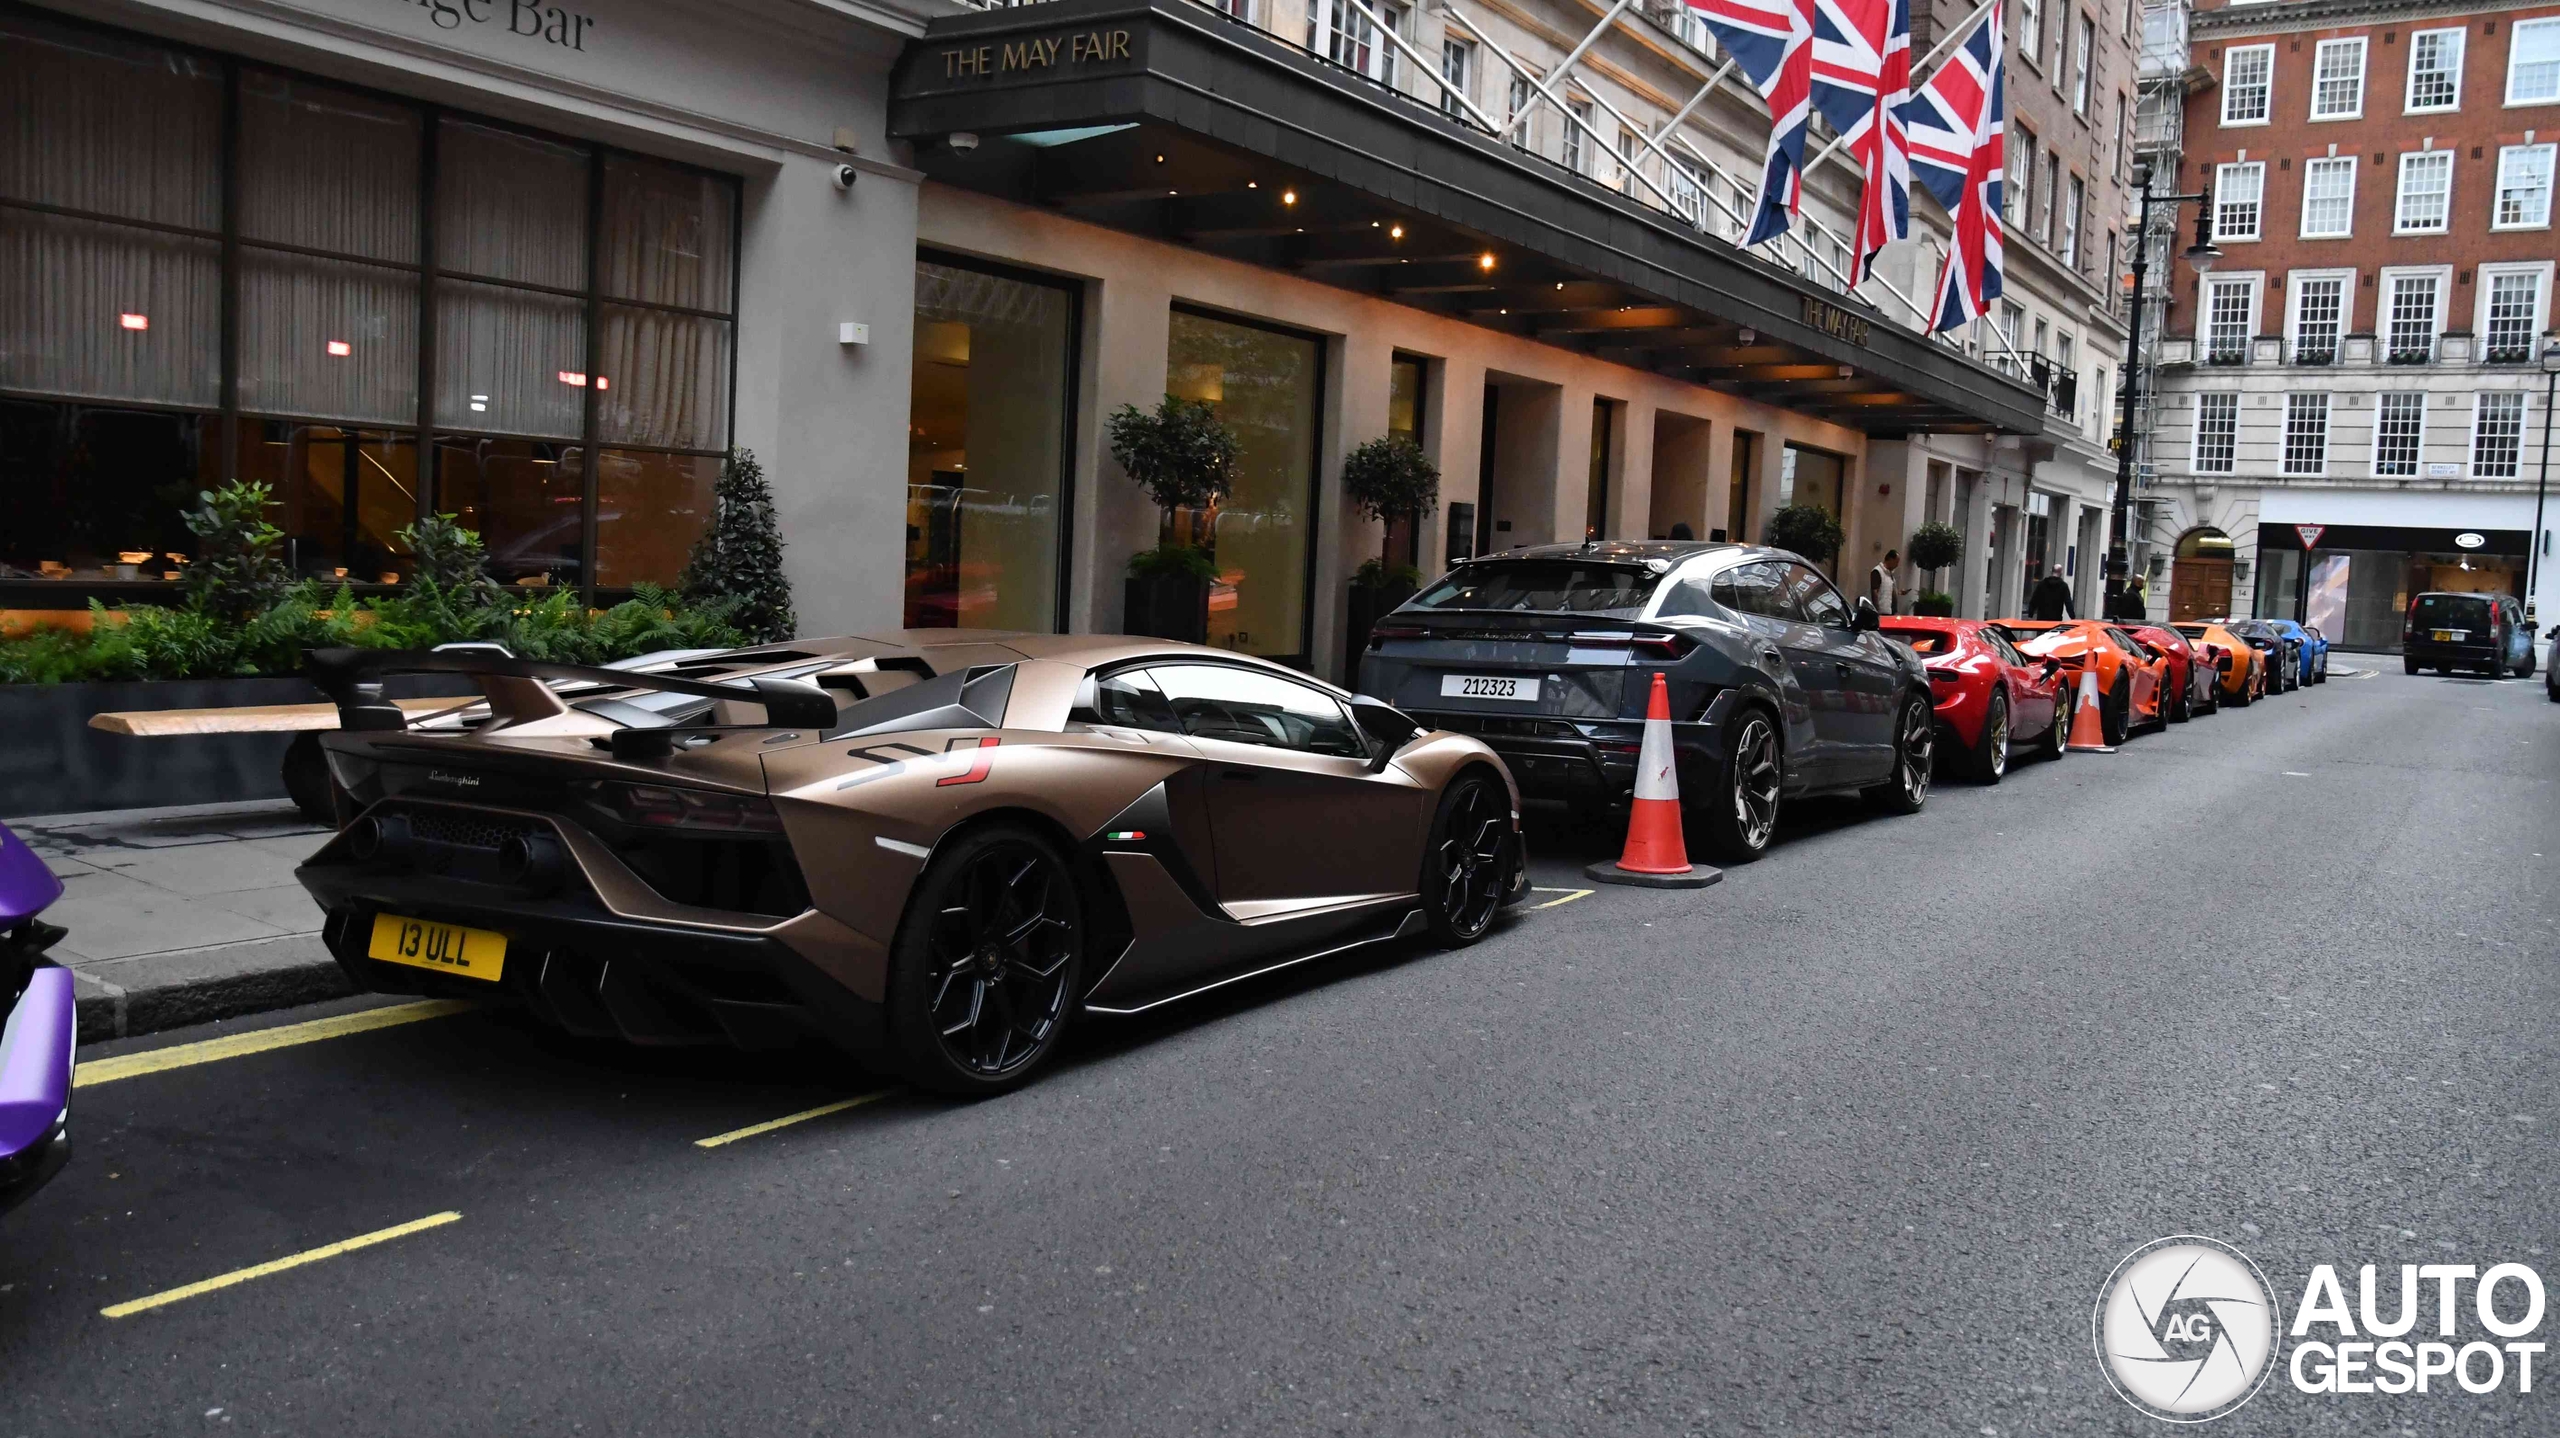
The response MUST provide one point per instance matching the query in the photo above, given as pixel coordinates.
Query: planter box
(1166, 606)
(52, 762)
(1361, 615)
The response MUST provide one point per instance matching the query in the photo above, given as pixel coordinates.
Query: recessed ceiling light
(341, 348)
(1485, 261)
(1397, 233)
(1288, 197)
(1159, 159)
(1253, 184)
(134, 321)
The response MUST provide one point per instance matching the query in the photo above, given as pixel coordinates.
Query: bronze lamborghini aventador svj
(931, 847)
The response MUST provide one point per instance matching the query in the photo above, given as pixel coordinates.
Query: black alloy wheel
(1991, 752)
(2115, 715)
(987, 962)
(1468, 867)
(1741, 815)
(2184, 709)
(1915, 746)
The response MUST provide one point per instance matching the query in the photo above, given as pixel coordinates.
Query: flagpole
(1936, 53)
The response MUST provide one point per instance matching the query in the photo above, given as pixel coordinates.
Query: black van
(2481, 632)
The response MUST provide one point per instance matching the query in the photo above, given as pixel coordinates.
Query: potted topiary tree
(1184, 457)
(1933, 547)
(1387, 479)
(1808, 529)
(739, 556)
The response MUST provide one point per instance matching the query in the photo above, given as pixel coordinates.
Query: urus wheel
(1914, 757)
(1468, 866)
(1741, 814)
(987, 962)
(1991, 753)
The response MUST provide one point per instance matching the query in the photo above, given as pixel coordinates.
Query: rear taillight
(1665, 644)
(700, 811)
(1379, 634)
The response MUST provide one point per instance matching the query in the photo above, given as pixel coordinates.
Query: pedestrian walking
(2133, 604)
(2051, 598)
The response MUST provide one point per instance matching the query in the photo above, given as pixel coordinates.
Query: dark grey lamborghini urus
(1779, 687)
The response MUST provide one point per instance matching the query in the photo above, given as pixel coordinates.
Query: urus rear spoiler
(352, 680)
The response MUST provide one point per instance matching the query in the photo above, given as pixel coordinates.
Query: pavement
(184, 915)
(1846, 1144)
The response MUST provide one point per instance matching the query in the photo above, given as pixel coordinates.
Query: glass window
(1133, 701)
(94, 310)
(327, 169)
(1458, 71)
(510, 206)
(1577, 148)
(1245, 706)
(2515, 316)
(650, 507)
(2412, 336)
(2078, 201)
(527, 498)
(1811, 598)
(2337, 81)
(669, 235)
(2231, 315)
(2082, 44)
(993, 381)
(1754, 589)
(2237, 190)
(2524, 187)
(1267, 385)
(2328, 198)
(2248, 74)
(1555, 586)
(327, 339)
(341, 493)
(2217, 431)
(2048, 194)
(2317, 311)
(81, 485)
(2031, 28)
(2533, 62)
(2306, 433)
(2426, 192)
(2399, 426)
(2435, 71)
(2497, 434)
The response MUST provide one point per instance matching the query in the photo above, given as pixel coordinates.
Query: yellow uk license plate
(443, 948)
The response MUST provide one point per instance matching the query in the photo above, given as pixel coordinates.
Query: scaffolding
(2163, 79)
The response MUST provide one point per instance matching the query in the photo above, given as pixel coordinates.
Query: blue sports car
(2311, 645)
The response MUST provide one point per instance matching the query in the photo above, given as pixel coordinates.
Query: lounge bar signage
(1834, 321)
(546, 24)
(1047, 52)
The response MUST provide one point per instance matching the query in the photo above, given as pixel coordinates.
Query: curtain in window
(326, 169)
(664, 379)
(327, 339)
(667, 236)
(103, 310)
(510, 207)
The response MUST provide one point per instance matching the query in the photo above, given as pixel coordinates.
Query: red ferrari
(2195, 670)
(1987, 691)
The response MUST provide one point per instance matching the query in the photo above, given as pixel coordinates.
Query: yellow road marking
(787, 1120)
(232, 1046)
(1569, 896)
(243, 1275)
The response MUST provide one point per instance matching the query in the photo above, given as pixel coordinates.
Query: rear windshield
(1562, 586)
(2464, 609)
(1925, 641)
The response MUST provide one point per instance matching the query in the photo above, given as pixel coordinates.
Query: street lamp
(2542, 483)
(2200, 257)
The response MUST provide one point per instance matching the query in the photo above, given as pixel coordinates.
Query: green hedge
(150, 641)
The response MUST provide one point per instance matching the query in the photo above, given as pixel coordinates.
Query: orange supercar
(2133, 680)
(2243, 676)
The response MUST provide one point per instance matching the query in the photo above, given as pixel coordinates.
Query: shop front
(2354, 582)
(419, 261)
(1324, 262)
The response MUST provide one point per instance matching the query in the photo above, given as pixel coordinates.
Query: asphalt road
(1848, 1143)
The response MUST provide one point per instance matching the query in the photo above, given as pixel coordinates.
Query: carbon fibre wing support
(352, 680)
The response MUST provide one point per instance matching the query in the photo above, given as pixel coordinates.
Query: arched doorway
(2200, 577)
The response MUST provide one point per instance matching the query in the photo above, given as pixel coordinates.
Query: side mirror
(1389, 729)
(1864, 620)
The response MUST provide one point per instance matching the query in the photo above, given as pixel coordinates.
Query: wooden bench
(251, 718)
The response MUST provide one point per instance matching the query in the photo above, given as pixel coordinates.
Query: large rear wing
(352, 678)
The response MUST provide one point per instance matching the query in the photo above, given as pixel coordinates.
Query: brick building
(2350, 408)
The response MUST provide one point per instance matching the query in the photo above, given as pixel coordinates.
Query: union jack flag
(1862, 85)
(1958, 134)
(1771, 41)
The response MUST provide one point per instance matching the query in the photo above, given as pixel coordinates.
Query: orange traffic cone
(1656, 855)
(2088, 731)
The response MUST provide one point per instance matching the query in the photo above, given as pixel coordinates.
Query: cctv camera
(845, 176)
(964, 140)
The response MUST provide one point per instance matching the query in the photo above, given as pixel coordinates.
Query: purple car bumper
(37, 1032)
(35, 1085)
